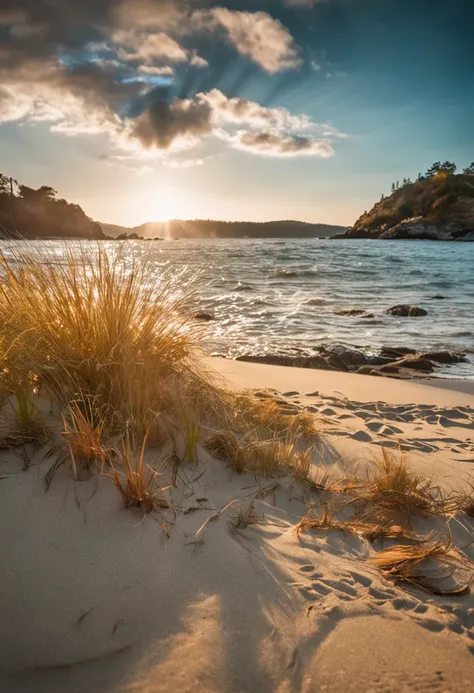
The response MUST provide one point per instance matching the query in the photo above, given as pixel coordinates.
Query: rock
(368, 315)
(394, 353)
(468, 237)
(418, 363)
(349, 311)
(206, 317)
(337, 362)
(444, 357)
(365, 370)
(405, 311)
(438, 297)
(389, 368)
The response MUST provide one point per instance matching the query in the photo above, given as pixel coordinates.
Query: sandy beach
(219, 591)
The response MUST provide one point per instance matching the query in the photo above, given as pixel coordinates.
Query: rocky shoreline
(414, 229)
(393, 362)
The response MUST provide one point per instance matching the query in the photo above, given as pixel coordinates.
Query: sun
(167, 203)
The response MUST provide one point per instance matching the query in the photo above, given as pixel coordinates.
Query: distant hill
(39, 213)
(200, 228)
(438, 206)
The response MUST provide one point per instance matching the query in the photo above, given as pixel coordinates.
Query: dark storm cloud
(162, 123)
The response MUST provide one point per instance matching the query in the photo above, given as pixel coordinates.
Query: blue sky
(266, 109)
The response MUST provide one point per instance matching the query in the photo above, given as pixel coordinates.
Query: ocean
(272, 296)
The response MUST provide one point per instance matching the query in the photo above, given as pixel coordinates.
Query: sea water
(272, 296)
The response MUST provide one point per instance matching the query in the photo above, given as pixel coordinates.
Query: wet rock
(438, 297)
(365, 370)
(444, 356)
(389, 368)
(206, 317)
(418, 363)
(349, 311)
(395, 353)
(336, 362)
(406, 311)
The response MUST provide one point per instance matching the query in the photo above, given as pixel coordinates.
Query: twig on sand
(213, 517)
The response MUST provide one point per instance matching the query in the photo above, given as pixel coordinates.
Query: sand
(98, 598)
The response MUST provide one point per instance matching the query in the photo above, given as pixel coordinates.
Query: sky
(144, 110)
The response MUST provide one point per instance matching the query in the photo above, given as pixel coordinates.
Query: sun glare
(168, 203)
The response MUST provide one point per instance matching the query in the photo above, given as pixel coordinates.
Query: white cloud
(198, 61)
(152, 70)
(271, 143)
(255, 34)
(139, 46)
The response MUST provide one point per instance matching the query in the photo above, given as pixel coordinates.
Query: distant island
(438, 206)
(207, 228)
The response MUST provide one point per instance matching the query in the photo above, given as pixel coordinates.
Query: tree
(7, 184)
(393, 187)
(43, 194)
(469, 170)
(446, 167)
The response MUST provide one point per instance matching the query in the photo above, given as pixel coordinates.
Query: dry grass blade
(226, 446)
(395, 493)
(426, 564)
(84, 432)
(367, 530)
(244, 512)
(137, 482)
(15, 432)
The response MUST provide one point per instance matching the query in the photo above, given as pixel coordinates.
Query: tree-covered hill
(209, 228)
(437, 206)
(40, 214)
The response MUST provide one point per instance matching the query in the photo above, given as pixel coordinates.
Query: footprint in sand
(363, 436)
(374, 425)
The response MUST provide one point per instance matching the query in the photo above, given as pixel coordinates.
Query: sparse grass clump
(426, 564)
(367, 530)
(84, 429)
(136, 481)
(395, 494)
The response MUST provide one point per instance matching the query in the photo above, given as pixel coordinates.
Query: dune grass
(108, 341)
(369, 531)
(395, 493)
(425, 564)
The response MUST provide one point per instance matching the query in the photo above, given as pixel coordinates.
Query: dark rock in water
(418, 363)
(406, 311)
(351, 358)
(368, 315)
(445, 357)
(395, 353)
(337, 362)
(206, 317)
(438, 297)
(292, 361)
(349, 311)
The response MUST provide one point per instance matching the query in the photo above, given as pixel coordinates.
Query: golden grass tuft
(394, 494)
(136, 481)
(95, 322)
(84, 430)
(367, 530)
(425, 564)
